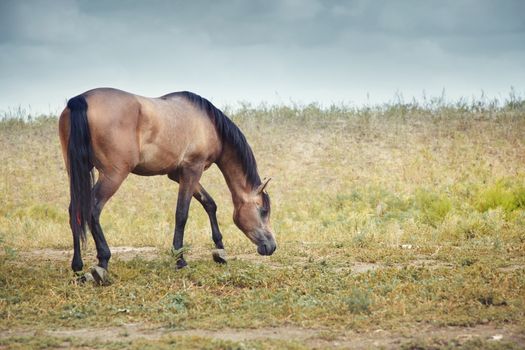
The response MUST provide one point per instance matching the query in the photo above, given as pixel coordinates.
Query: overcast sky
(260, 50)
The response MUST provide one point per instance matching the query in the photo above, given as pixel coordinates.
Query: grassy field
(398, 226)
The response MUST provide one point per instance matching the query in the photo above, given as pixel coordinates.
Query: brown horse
(180, 135)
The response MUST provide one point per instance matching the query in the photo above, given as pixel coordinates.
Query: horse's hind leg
(105, 187)
(76, 263)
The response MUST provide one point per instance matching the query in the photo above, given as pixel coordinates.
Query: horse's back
(174, 133)
(147, 136)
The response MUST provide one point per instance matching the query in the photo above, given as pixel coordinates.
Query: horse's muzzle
(266, 248)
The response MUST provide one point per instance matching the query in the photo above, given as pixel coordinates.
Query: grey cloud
(241, 23)
(444, 18)
(300, 48)
(38, 22)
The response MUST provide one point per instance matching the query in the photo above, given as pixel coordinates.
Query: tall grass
(420, 172)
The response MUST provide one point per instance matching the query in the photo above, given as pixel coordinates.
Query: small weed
(433, 207)
(177, 302)
(358, 302)
(468, 261)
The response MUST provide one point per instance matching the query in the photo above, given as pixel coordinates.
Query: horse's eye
(264, 212)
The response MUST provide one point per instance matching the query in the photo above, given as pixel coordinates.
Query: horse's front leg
(188, 180)
(219, 254)
(207, 202)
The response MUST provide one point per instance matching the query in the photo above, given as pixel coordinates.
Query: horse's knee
(96, 211)
(211, 207)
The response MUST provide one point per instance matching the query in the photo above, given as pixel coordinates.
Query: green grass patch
(433, 207)
(506, 194)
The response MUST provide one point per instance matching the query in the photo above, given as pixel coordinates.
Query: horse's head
(253, 218)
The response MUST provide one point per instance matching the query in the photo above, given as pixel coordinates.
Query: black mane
(228, 132)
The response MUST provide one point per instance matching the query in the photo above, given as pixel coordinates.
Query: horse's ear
(263, 185)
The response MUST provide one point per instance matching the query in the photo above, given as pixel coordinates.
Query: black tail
(80, 155)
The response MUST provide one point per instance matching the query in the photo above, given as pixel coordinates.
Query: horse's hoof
(219, 256)
(99, 275)
(181, 263)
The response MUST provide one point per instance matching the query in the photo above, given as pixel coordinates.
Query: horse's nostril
(266, 248)
(261, 249)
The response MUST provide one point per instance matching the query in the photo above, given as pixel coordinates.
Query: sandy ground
(315, 338)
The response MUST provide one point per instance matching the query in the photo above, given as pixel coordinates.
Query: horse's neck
(235, 176)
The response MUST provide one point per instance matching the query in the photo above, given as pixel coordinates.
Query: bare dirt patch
(315, 338)
(512, 268)
(126, 253)
(353, 267)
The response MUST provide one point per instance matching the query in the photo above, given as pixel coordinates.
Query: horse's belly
(155, 161)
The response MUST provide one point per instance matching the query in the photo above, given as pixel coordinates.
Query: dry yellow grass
(331, 170)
